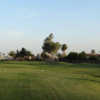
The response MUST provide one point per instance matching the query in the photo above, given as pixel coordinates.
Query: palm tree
(64, 48)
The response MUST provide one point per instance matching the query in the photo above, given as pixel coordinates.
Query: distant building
(91, 54)
(5, 57)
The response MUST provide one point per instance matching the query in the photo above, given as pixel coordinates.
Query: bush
(82, 56)
(75, 57)
(93, 58)
(72, 56)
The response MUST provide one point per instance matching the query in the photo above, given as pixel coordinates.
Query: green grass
(43, 81)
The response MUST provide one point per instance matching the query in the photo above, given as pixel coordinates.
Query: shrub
(72, 56)
(82, 56)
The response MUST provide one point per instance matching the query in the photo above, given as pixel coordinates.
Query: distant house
(28, 58)
(8, 58)
(90, 54)
(93, 53)
(5, 57)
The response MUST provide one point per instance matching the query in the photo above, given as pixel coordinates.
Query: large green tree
(50, 46)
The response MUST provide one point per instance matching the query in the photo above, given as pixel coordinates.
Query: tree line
(50, 52)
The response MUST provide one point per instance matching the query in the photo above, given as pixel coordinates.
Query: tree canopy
(64, 47)
(23, 52)
(50, 46)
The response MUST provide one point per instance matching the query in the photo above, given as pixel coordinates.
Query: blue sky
(25, 23)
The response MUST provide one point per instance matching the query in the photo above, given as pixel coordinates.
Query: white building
(5, 57)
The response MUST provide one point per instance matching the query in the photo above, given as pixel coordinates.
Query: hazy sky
(25, 23)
